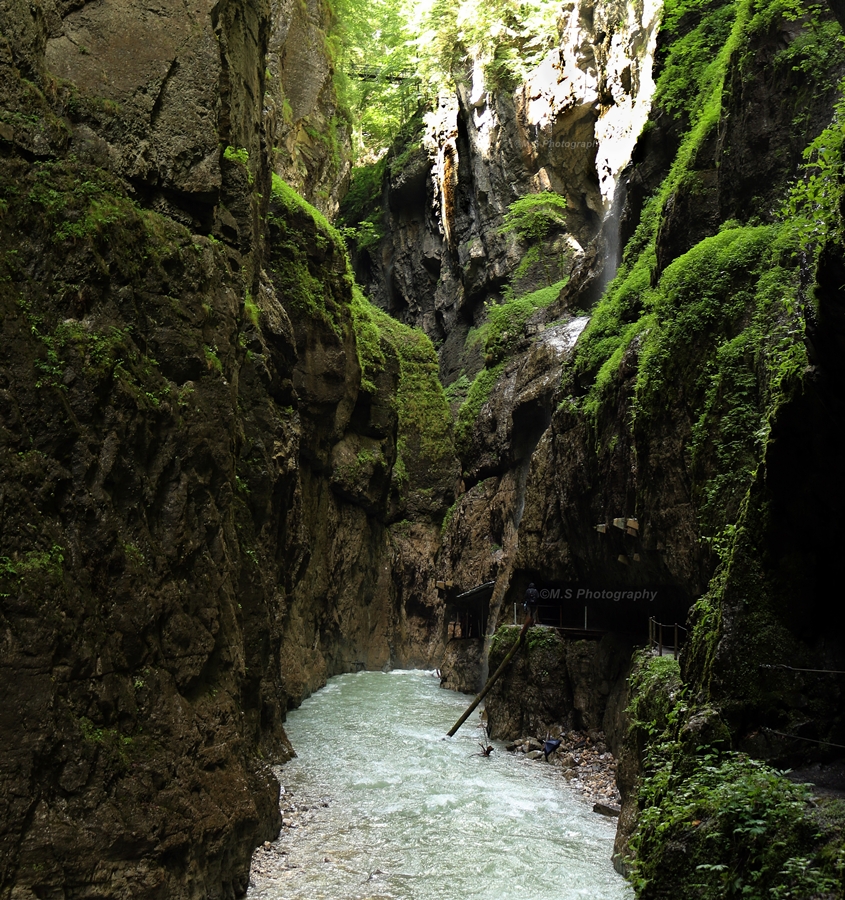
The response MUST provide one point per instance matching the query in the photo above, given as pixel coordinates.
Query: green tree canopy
(394, 55)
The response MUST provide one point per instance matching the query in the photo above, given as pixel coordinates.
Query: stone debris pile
(585, 762)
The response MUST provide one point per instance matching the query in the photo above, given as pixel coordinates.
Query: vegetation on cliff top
(393, 56)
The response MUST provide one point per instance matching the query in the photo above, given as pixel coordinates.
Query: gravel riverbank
(584, 760)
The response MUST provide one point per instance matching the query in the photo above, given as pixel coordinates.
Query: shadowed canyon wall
(210, 500)
(227, 476)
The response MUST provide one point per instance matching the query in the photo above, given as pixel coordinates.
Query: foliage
(506, 321)
(393, 56)
(47, 561)
(213, 360)
(814, 51)
(539, 639)
(114, 746)
(284, 194)
(368, 339)
(507, 37)
(717, 822)
(532, 219)
(251, 309)
(655, 688)
(377, 79)
(479, 394)
(502, 641)
(655, 320)
(744, 829)
(425, 424)
(812, 206)
(694, 58)
(240, 157)
(499, 335)
(457, 391)
(104, 354)
(425, 445)
(76, 209)
(361, 214)
(447, 519)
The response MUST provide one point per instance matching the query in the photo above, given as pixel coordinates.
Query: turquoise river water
(380, 807)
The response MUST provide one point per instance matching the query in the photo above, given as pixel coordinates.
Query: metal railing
(549, 615)
(655, 636)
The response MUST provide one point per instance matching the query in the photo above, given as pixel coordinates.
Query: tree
(377, 71)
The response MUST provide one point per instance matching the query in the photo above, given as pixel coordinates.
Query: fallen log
(492, 679)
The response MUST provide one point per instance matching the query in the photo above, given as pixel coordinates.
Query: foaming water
(396, 811)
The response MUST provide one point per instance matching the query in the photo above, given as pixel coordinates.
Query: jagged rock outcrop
(183, 386)
(556, 683)
(569, 128)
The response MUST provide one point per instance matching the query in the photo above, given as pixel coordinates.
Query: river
(380, 807)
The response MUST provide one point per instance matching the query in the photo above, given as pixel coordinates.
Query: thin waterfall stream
(379, 805)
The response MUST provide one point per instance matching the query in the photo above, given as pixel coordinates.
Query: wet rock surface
(178, 566)
(557, 679)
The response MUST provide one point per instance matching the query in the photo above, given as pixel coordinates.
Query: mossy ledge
(707, 337)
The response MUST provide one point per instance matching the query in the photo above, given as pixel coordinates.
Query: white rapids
(384, 807)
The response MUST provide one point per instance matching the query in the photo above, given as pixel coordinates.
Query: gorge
(579, 323)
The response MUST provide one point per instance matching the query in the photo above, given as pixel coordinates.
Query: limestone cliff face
(689, 414)
(139, 652)
(309, 131)
(186, 546)
(569, 128)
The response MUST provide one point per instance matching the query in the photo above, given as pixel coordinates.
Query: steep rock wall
(185, 554)
(310, 131)
(138, 662)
